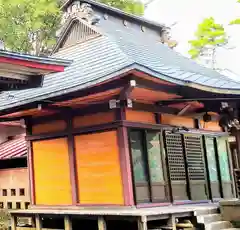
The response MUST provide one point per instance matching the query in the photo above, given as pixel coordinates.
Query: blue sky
(189, 13)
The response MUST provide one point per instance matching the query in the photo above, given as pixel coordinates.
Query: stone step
(209, 218)
(231, 229)
(218, 225)
(206, 211)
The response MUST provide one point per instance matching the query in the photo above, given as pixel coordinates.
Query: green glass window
(154, 157)
(223, 159)
(211, 157)
(139, 164)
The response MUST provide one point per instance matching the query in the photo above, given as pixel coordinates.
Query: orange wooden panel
(98, 169)
(148, 95)
(52, 172)
(168, 119)
(92, 98)
(93, 119)
(49, 127)
(211, 126)
(140, 116)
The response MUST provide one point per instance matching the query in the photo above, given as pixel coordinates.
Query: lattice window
(194, 154)
(175, 157)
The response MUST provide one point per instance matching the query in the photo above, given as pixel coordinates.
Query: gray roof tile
(103, 57)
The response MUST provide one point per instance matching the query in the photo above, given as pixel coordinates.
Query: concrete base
(230, 210)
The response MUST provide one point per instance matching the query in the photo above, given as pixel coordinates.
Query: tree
(237, 20)
(29, 26)
(209, 36)
(129, 6)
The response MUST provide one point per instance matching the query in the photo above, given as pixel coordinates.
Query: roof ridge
(117, 11)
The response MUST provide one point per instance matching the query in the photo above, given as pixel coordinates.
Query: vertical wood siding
(98, 169)
(52, 172)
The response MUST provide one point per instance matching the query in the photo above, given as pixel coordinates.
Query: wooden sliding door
(196, 167)
(224, 165)
(147, 167)
(177, 166)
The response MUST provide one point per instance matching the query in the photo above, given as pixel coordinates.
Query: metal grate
(175, 157)
(194, 154)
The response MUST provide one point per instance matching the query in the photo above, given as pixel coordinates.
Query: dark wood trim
(196, 123)
(120, 113)
(134, 184)
(188, 185)
(208, 180)
(167, 168)
(30, 162)
(149, 126)
(115, 125)
(114, 84)
(124, 155)
(145, 157)
(46, 136)
(104, 107)
(201, 99)
(154, 108)
(97, 128)
(125, 162)
(218, 168)
(88, 110)
(72, 161)
(77, 131)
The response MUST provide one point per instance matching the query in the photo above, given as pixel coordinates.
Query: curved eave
(214, 89)
(201, 87)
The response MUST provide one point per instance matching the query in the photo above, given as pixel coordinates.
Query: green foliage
(4, 219)
(128, 6)
(29, 25)
(209, 35)
(235, 21)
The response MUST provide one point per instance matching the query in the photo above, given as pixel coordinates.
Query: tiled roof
(118, 50)
(28, 57)
(14, 148)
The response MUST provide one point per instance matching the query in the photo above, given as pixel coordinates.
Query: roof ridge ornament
(83, 11)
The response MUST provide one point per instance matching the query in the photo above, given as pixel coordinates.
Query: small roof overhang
(21, 71)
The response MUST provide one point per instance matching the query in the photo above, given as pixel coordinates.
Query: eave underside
(159, 95)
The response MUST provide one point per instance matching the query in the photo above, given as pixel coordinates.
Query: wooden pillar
(30, 163)
(142, 223)
(13, 220)
(125, 159)
(72, 160)
(237, 136)
(102, 223)
(173, 222)
(67, 223)
(38, 222)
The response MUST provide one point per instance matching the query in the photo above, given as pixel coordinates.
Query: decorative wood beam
(118, 83)
(184, 110)
(148, 84)
(125, 93)
(202, 99)
(154, 108)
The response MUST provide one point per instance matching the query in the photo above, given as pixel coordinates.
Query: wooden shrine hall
(130, 135)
